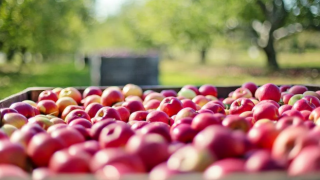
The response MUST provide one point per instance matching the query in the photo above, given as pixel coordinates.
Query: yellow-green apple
(236, 122)
(200, 100)
(265, 111)
(48, 107)
(286, 146)
(163, 172)
(251, 86)
(153, 95)
(124, 113)
(23, 108)
(110, 97)
(72, 93)
(115, 155)
(133, 106)
(157, 116)
(152, 104)
(203, 120)
(224, 168)
(64, 102)
(132, 89)
(186, 112)
(4, 111)
(14, 119)
(138, 115)
(306, 162)
(48, 95)
(260, 161)
(68, 136)
(8, 129)
(41, 147)
(284, 108)
(263, 136)
(192, 87)
(241, 105)
(170, 105)
(241, 93)
(43, 121)
(208, 89)
(12, 153)
(144, 147)
(64, 162)
(311, 93)
(268, 91)
(115, 135)
(135, 125)
(75, 114)
(57, 90)
(303, 104)
(91, 99)
(284, 88)
(82, 122)
(107, 113)
(292, 98)
(97, 128)
(297, 89)
(214, 107)
(169, 93)
(186, 93)
(90, 147)
(92, 109)
(288, 121)
(183, 133)
(91, 90)
(220, 141)
(190, 159)
(156, 128)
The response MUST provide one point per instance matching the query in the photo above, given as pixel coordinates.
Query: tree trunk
(271, 54)
(203, 55)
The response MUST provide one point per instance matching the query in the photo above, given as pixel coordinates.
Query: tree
(272, 20)
(46, 27)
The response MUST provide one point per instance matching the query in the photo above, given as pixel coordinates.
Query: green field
(222, 68)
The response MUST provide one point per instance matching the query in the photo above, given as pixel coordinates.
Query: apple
(303, 104)
(3, 135)
(156, 128)
(241, 105)
(284, 88)
(57, 121)
(110, 97)
(32, 103)
(89, 147)
(265, 110)
(192, 87)
(41, 120)
(8, 129)
(287, 121)
(57, 90)
(205, 111)
(306, 162)
(154, 95)
(146, 92)
(64, 162)
(169, 93)
(8, 171)
(152, 104)
(41, 147)
(220, 141)
(124, 113)
(170, 105)
(12, 153)
(263, 136)
(138, 115)
(97, 128)
(144, 147)
(286, 98)
(48, 95)
(187, 93)
(42, 173)
(311, 93)
(246, 114)
(75, 114)
(208, 89)
(107, 113)
(91, 90)
(262, 160)
(214, 107)
(251, 86)
(163, 172)
(224, 168)
(203, 120)
(115, 155)
(22, 137)
(82, 122)
(295, 98)
(115, 135)
(312, 99)
(241, 93)
(68, 109)
(72, 93)
(188, 103)
(68, 136)
(64, 102)
(92, 109)
(157, 116)
(298, 89)
(23, 108)
(4, 111)
(268, 91)
(183, 133)
(186, 120)
(132, 89)
(228, 101)
(284, 108)
(292, 113)
(116, 171)
(186, 112)
(14, 119)
(133, 106)
(200, 100)
(35, 128)
(135, 125)
(305, 114)
(48, 107)
(90, 99)
(236, 122)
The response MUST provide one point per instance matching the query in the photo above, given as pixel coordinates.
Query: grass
(222, 68)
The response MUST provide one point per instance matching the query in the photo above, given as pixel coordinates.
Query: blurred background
(61, 43)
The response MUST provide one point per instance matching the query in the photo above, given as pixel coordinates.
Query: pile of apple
(114, 133)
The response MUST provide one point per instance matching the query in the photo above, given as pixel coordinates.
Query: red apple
(265, 111)
(82, 122)
(236, 122)
(8, 171)
(303, 104)
(241, 93)
(313, 100)
(262, 160)
(68, 136)
(186, 112)
(163, 172)
(68, 109)
(157, 116)
(110, 97)
(214, 107)
(292, 113)
(92, 109)
(268, 91)
(286, 98)
(57, 90)
(203, 120)
(57, 121)
(284, 88)
(170, 105)
(133, 106)
(284, 108)
(138, 115)
(75, 114)
(23, 108)
(48, 107)
(208, 89)
(72, 93)
(22, 137)
(263, 136)
(298, 89)
(311, 93)
(169, 93)
(12, 153)
(89, 147)
(251, 86)
(124, 113)
(200, 100)
(183, 133)
(64, 102)
(107, 113)
(287, 121)
(48, 95)
(154, 95)
(241, 105)
(91, 90)
(246, 114)
(152, 104)
(306, 114)
(188, 103)
(156, 128)
(97, 128)
(91, 99)
(115, 135)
